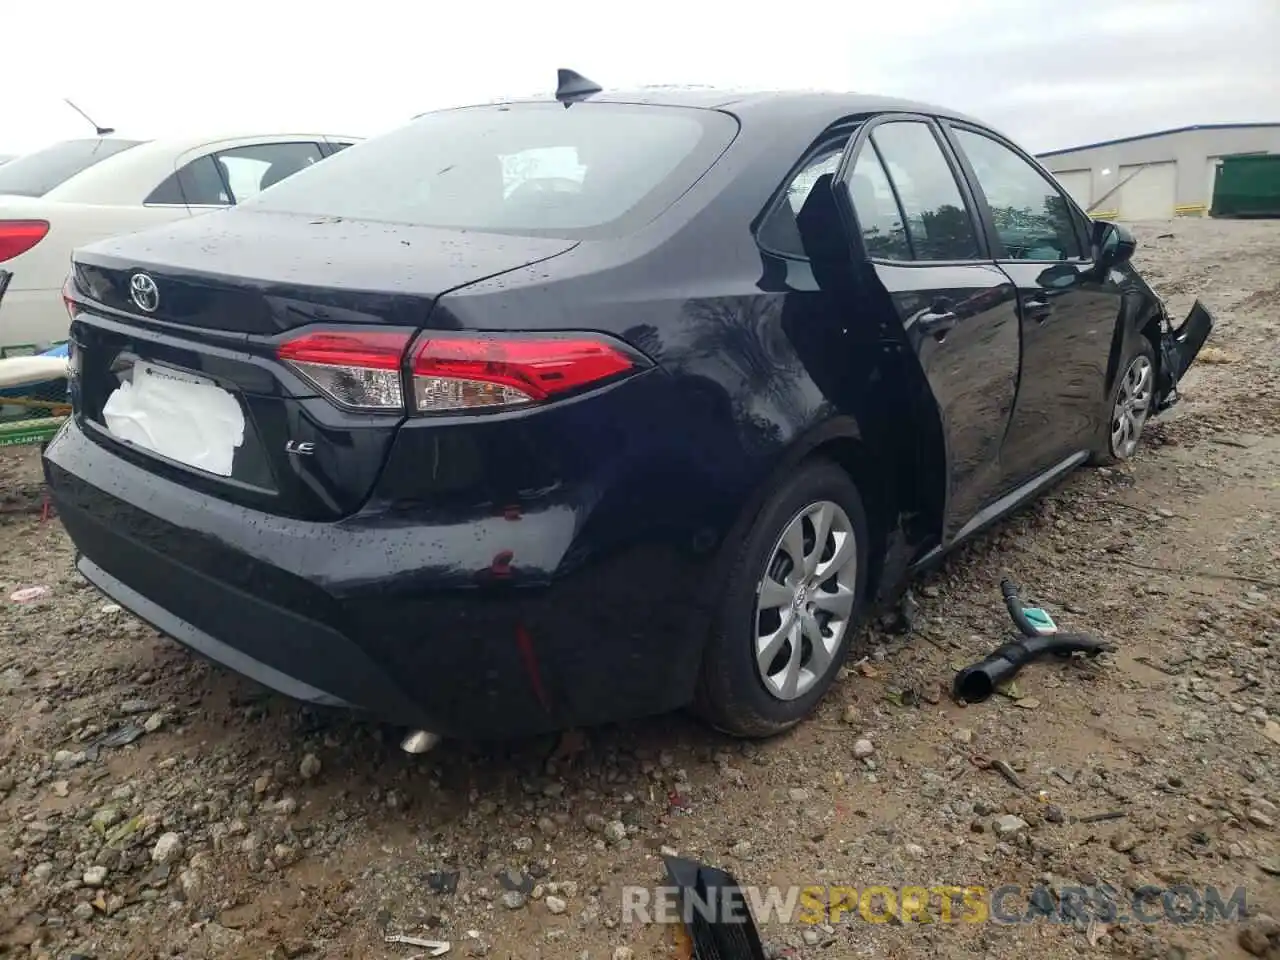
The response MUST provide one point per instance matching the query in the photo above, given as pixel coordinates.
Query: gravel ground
(153, 805)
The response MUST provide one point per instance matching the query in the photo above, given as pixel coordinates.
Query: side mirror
(1113, 244)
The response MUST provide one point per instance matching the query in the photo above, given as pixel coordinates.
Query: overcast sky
(1052, 73)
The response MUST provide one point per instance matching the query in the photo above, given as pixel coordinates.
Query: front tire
(791, 606)
(1129, 406)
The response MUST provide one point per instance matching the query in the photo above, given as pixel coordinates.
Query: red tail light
(19, 236)
(451, 373)
(472, 372)
(357, 370)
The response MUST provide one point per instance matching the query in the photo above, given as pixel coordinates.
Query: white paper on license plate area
(177, 415)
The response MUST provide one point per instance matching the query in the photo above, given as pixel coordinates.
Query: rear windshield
(35, 174)
(532, 168)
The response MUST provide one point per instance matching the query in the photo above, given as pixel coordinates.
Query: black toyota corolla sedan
(553, 413)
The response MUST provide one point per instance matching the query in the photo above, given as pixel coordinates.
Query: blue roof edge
(1158, 133)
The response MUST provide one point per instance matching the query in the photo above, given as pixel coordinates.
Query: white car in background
(78, 191)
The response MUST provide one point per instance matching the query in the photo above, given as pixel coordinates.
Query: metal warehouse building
(1156, 176)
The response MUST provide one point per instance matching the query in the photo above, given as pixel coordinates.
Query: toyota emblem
(144, 292)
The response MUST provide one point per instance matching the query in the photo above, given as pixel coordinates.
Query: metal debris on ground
(434, 948)
(999, 766)
(730, 936)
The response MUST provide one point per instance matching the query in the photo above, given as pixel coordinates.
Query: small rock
(623, 953)
(1271, 730)
(61, 788)
(741, 849)
(525, 844)
(514, 899)
(798, 794)
(810, 936)
(1123, 842)
(914, 850)
(104, 818)
(1260, 819)
(191, 883)
(167, 849)
(130, 707)
(556, 905)
(615, 832)
(310, 767)
(65, 759)
(850, 715)
(962, 735)
(153, 722)
(1008, 825)
(83, 912)
(284, 855)
(1256, 937)
(95, 876)
(863, 748)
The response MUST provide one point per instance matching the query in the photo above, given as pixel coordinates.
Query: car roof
(822, 106)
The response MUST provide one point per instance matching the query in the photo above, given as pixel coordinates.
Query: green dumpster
(1247, 186)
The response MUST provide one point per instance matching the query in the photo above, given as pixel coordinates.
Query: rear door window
(197, 184)
(939, 224)
(35, 174)
(250, 170)
(531, 168)
(780, 231)
(884, 234)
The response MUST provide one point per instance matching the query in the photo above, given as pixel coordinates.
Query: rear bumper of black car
(418, 624)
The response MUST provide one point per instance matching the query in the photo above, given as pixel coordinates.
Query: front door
(1068, 312)
(958, 310)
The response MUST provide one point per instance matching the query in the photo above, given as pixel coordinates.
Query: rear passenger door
(921, 236)
(1068, 311)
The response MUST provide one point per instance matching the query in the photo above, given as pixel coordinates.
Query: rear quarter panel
(754, 357)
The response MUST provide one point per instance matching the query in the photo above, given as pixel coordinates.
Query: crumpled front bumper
(1178, 350)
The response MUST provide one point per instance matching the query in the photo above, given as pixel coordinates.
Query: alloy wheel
(1133, 404)
(805, 599)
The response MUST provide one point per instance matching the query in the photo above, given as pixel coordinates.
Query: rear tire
(784, 627)
(1129, 406)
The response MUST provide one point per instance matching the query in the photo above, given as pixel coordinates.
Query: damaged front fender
(1178, 350)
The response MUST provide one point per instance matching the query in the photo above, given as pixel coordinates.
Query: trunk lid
(242, 271)
(225, 291)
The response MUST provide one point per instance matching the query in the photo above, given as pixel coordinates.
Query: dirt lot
(156, 806)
